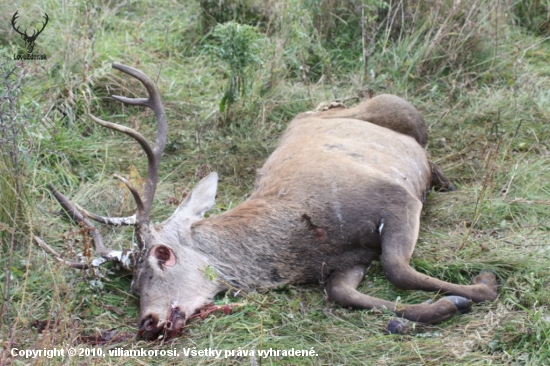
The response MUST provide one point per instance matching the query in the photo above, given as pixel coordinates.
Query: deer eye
(164, 255)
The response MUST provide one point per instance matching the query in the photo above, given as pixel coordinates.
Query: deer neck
(247, 245)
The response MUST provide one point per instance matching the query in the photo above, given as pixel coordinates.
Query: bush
(239, 48)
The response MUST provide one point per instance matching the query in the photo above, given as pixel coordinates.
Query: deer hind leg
(342, 289)
(398, 238)
(439, 181)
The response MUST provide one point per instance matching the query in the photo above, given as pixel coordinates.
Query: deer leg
(342, 289)
(439, 181)
(398, 238)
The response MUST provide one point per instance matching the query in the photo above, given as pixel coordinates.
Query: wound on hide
(318, 232)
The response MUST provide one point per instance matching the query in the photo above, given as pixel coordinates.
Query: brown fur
(343, 187)
(384, 110)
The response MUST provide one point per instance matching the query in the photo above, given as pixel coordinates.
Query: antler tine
(142, 141)
(133, 191)
(142, 210)
(113, 221)
(47, 248)
(153, 157)
(78, 218)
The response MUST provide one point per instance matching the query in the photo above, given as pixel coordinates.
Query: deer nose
(149, 327)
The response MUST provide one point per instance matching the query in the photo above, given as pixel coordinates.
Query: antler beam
(143, 202)
(124, 257)
(153, 102)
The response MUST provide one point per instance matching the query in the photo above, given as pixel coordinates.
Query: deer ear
(200, 200)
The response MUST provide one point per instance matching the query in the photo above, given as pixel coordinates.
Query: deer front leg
(342, 289)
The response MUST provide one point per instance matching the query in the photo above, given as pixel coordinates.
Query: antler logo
(32, 38)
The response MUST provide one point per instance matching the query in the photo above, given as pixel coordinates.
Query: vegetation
(477, 70)
(239, 48)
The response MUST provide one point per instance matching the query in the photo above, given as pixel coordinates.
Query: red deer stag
(337, 193)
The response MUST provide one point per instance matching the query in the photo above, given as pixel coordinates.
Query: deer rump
(343, 187)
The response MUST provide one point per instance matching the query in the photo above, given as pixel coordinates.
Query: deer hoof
(488, 279)
(397, 326)
(462, 304)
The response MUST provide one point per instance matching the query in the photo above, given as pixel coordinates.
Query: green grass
(478, 76)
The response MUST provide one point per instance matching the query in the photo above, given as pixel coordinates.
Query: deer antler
(144, 202)
(124, 257)
(153, 155)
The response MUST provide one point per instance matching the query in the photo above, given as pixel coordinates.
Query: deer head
(32, 38)
(162, 259)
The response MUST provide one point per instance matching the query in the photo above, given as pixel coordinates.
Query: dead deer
(343, 188)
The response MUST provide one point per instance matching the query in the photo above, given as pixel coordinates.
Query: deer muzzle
(151, 328)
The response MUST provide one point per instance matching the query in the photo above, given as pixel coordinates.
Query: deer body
(343, 188)
(322, 205)
(328, 188)
(319, 203)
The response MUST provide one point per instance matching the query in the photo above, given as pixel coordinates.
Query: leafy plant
(13, 198)
(240, 48)
(251, 12)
